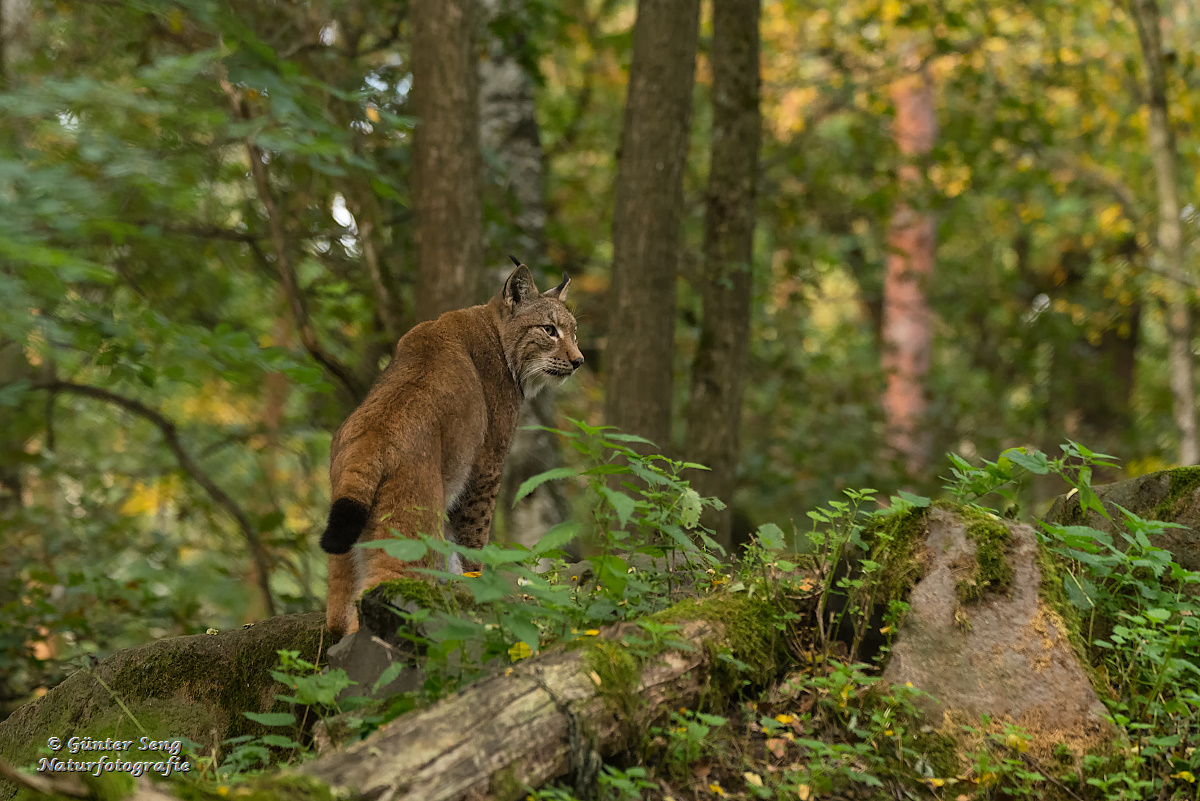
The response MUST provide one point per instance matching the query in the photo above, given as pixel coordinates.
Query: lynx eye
(551, 330)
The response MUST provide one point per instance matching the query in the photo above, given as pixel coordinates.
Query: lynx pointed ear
(519, 287)
(559, 292)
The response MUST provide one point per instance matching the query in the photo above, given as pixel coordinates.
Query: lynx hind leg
(408, 503)
(340, 615)
(471, 519)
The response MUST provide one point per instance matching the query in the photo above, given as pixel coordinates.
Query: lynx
(423, 452)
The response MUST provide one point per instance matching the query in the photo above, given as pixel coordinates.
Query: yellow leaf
(786, 720)
(592, 632)
(472, 574)
(803, 792)
(372, 114)
(520, 651)
(222, 791)
(595, 677)
(715, 789)
(935, 782)
(175, 20)
(1186, 775)
(753, 778)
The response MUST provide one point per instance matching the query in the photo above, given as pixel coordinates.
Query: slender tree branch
(189, 465)
(287, 275)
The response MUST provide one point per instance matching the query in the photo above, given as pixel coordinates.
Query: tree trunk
(906, 330)
(509, 132)
(1170, 233)
(569, 708)
(714, 410)
(646, 218)
(447, 162)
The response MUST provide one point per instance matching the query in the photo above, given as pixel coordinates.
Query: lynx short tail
(347, 519)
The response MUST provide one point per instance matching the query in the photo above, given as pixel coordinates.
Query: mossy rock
(1169, 495)
(1011, 651)
(194, 687)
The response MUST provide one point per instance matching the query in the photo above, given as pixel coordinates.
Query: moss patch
(1054, 595)
(619, 674)
(1183, 481)
(190, 687)
(747, 633)
(897, 541)
(992, 571)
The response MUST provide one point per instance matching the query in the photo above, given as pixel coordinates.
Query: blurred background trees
(218, 217)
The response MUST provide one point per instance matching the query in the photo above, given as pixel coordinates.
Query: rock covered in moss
(194, 687)
(996, 644)
(1169, 495)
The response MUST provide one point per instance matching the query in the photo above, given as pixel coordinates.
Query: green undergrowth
(790, 703)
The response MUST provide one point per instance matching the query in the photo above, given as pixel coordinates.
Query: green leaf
(389, 674)
(689, 508)
(557, 537)
(920, 501)
(1034, 462)
(490, 585)
(621, 503)
(1080, 591)
(279, 741)
(533, 482)
(629, 438)
(771, 536)
(272, 718)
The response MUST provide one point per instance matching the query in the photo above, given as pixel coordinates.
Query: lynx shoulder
(423, 452)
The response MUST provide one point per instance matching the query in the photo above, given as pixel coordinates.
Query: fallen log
(556, 715)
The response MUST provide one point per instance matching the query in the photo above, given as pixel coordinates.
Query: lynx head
(537, 331)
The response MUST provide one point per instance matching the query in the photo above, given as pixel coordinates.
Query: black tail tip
(347, 519)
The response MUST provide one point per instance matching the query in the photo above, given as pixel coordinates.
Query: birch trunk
(1170, 232)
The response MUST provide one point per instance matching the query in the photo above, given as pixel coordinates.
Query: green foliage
(513, 608)
(1141, 617)
(314, 691)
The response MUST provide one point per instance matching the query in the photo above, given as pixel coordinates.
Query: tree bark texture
(714, 410)
(646, 218)
(906, 334)
(1170, 230)
(509, 132)
(447, 161)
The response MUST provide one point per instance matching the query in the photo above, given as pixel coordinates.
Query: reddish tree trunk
(906, 334)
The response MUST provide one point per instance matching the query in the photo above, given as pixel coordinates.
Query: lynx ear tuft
(519, 287)
(559, 292)
(515, 260)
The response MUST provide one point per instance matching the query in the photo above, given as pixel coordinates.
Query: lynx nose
(576, 362)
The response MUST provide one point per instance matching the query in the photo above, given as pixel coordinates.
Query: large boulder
(194, 687)
(1170, 495)
(983, 635)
